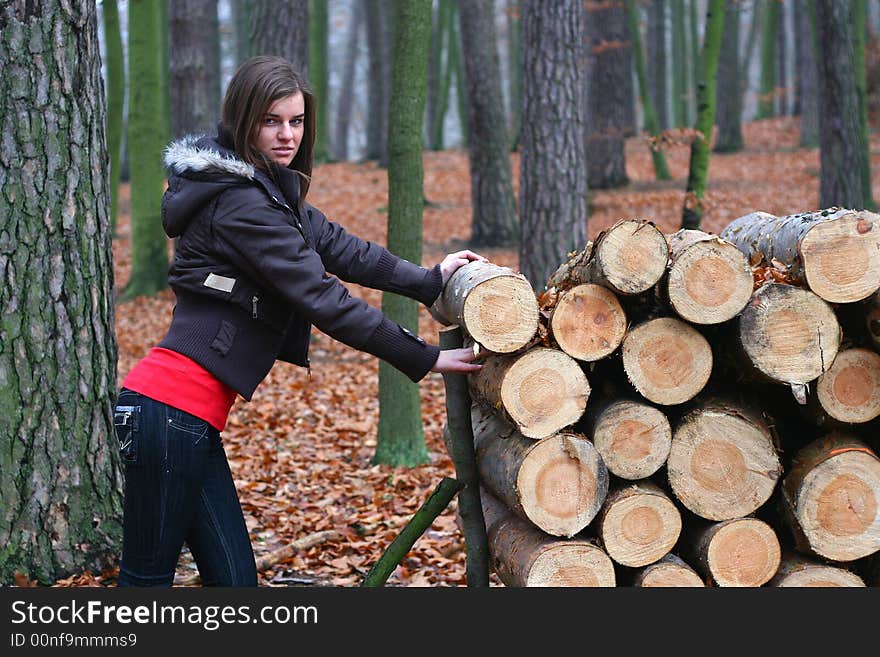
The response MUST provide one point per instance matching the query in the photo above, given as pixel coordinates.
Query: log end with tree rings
(722, 464)
(850, 390)
(633, 438)
(668, 572)
(588, 322)
(562, 483)
(833, 494)
(789, 334)
(796, 571)
(501, 313)
(571, 564)
(710, 281)
(630, 256)
(638, 524)
(667, 360)
(841, 257)
(543, 391)
(743, 552)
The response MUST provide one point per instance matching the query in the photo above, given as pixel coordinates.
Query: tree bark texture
(728, 102)
(273, 28)
(401, 439)
(841, 155)
(115, 64)
(194, 64)
(656, 42)
(609, 52)
(553, 181)
(59, 468)
(807, 72)
(494, 212)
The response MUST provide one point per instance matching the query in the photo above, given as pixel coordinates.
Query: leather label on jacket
(222, 283)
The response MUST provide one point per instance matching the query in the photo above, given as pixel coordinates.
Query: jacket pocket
(225, 337)
(126, 421)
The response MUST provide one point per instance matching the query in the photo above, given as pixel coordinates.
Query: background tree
(164, 81)
(860, 28)
(267, 27)
(513, 72)
(699, 166)
(59, 470)
(345, 102)
(318, 72)
(679, 64)
(840, 150)
(149, 246)
(661, 171)
(694, 72)
(378, 85)
(609, 53)
(780, 101)
(194, 66)
(807, 72)
(440, 72)
(656, 46)
(401, 440)
(115, 100)
(767, 90)
(494, 213)
(728, 101)
(553, 180)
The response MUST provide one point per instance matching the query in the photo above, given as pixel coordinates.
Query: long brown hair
(258, 83)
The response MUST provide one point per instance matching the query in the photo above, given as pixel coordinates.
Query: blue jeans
(178, 489)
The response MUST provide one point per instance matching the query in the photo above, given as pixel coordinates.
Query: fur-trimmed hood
(200, 153)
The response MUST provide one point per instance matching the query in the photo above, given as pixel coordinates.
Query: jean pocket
(126, 421)
(187, 424)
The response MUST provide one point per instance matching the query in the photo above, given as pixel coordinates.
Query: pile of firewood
(685, 409)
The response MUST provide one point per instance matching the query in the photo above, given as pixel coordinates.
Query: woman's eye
(296, 122)
(269, 121)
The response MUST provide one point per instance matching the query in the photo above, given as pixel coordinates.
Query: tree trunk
(494, 305)
(194, 67)
(657, 61)
(447, 34)
(835, 251)
(587, 322)
(525, 556)
(679, 65)
(745, 66)
(377, 86)
(710, 280)
(859, 32)
(830, 498)
(149, 245)
(494, 213)
(553, 182)
(661, 171)
(557, 483)
(667, 361)
(272, 28)
(460, 79)
(513, 71)
(781, 96)
(695, 69)
(115, 101)
(164, 66)
(850, 390)
(59, 469)
(609, 51)
(670, 571)
(723, 462)
(436, 70)
(795, 570)
(729, 103)
(807, 72)
(767, 90)
(742, 552)
(699, 165)
(638, 524)
(540, 391)
(318, 20)
(346, 100)
(401, 439)
(841, 154)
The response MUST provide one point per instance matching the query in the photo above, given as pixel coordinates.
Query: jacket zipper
(255, 300)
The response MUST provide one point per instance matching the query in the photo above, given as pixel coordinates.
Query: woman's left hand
(453, 261)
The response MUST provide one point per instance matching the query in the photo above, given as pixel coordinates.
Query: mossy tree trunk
(694, 71)
(149, 245)
(729, 102)
(494, 212)
(115, 64)
(401, 440)
(679, 65)
(318, 23)
(164, 80)
(60, 479)
(767, 90)
(699, 166)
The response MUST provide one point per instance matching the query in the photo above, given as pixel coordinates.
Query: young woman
(250, 275)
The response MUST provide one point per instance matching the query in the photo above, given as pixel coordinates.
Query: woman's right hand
(456, 360)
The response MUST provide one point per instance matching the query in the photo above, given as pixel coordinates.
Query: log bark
(540, 391)
(525, 556)
(835, 251)
(588, 322)
(638, 524)
(670, 571)
(494, 305)
(741, 552)
(628, 258)
(558, 483)
(797, 571)
(709, 279)
(789, 334)
(849, 391)
(830, 498)
(632, 437)
(666, 360)
(872, 320)
(723, 463)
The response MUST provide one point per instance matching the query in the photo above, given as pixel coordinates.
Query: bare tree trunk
(656, 42)
(378, 85)
(194, 66)
(275, 28)
(807, 73)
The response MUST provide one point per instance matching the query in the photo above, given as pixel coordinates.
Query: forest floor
(301, 450)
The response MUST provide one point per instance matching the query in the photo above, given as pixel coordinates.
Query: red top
(172, 378)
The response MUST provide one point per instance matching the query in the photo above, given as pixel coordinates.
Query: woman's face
(281, 128)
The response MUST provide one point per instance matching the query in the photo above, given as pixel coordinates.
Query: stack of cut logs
(684, 409)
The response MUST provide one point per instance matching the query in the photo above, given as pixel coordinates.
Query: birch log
(668, 572)
(741, 552)
(836, 251)
(830, 498)
(710, 280)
